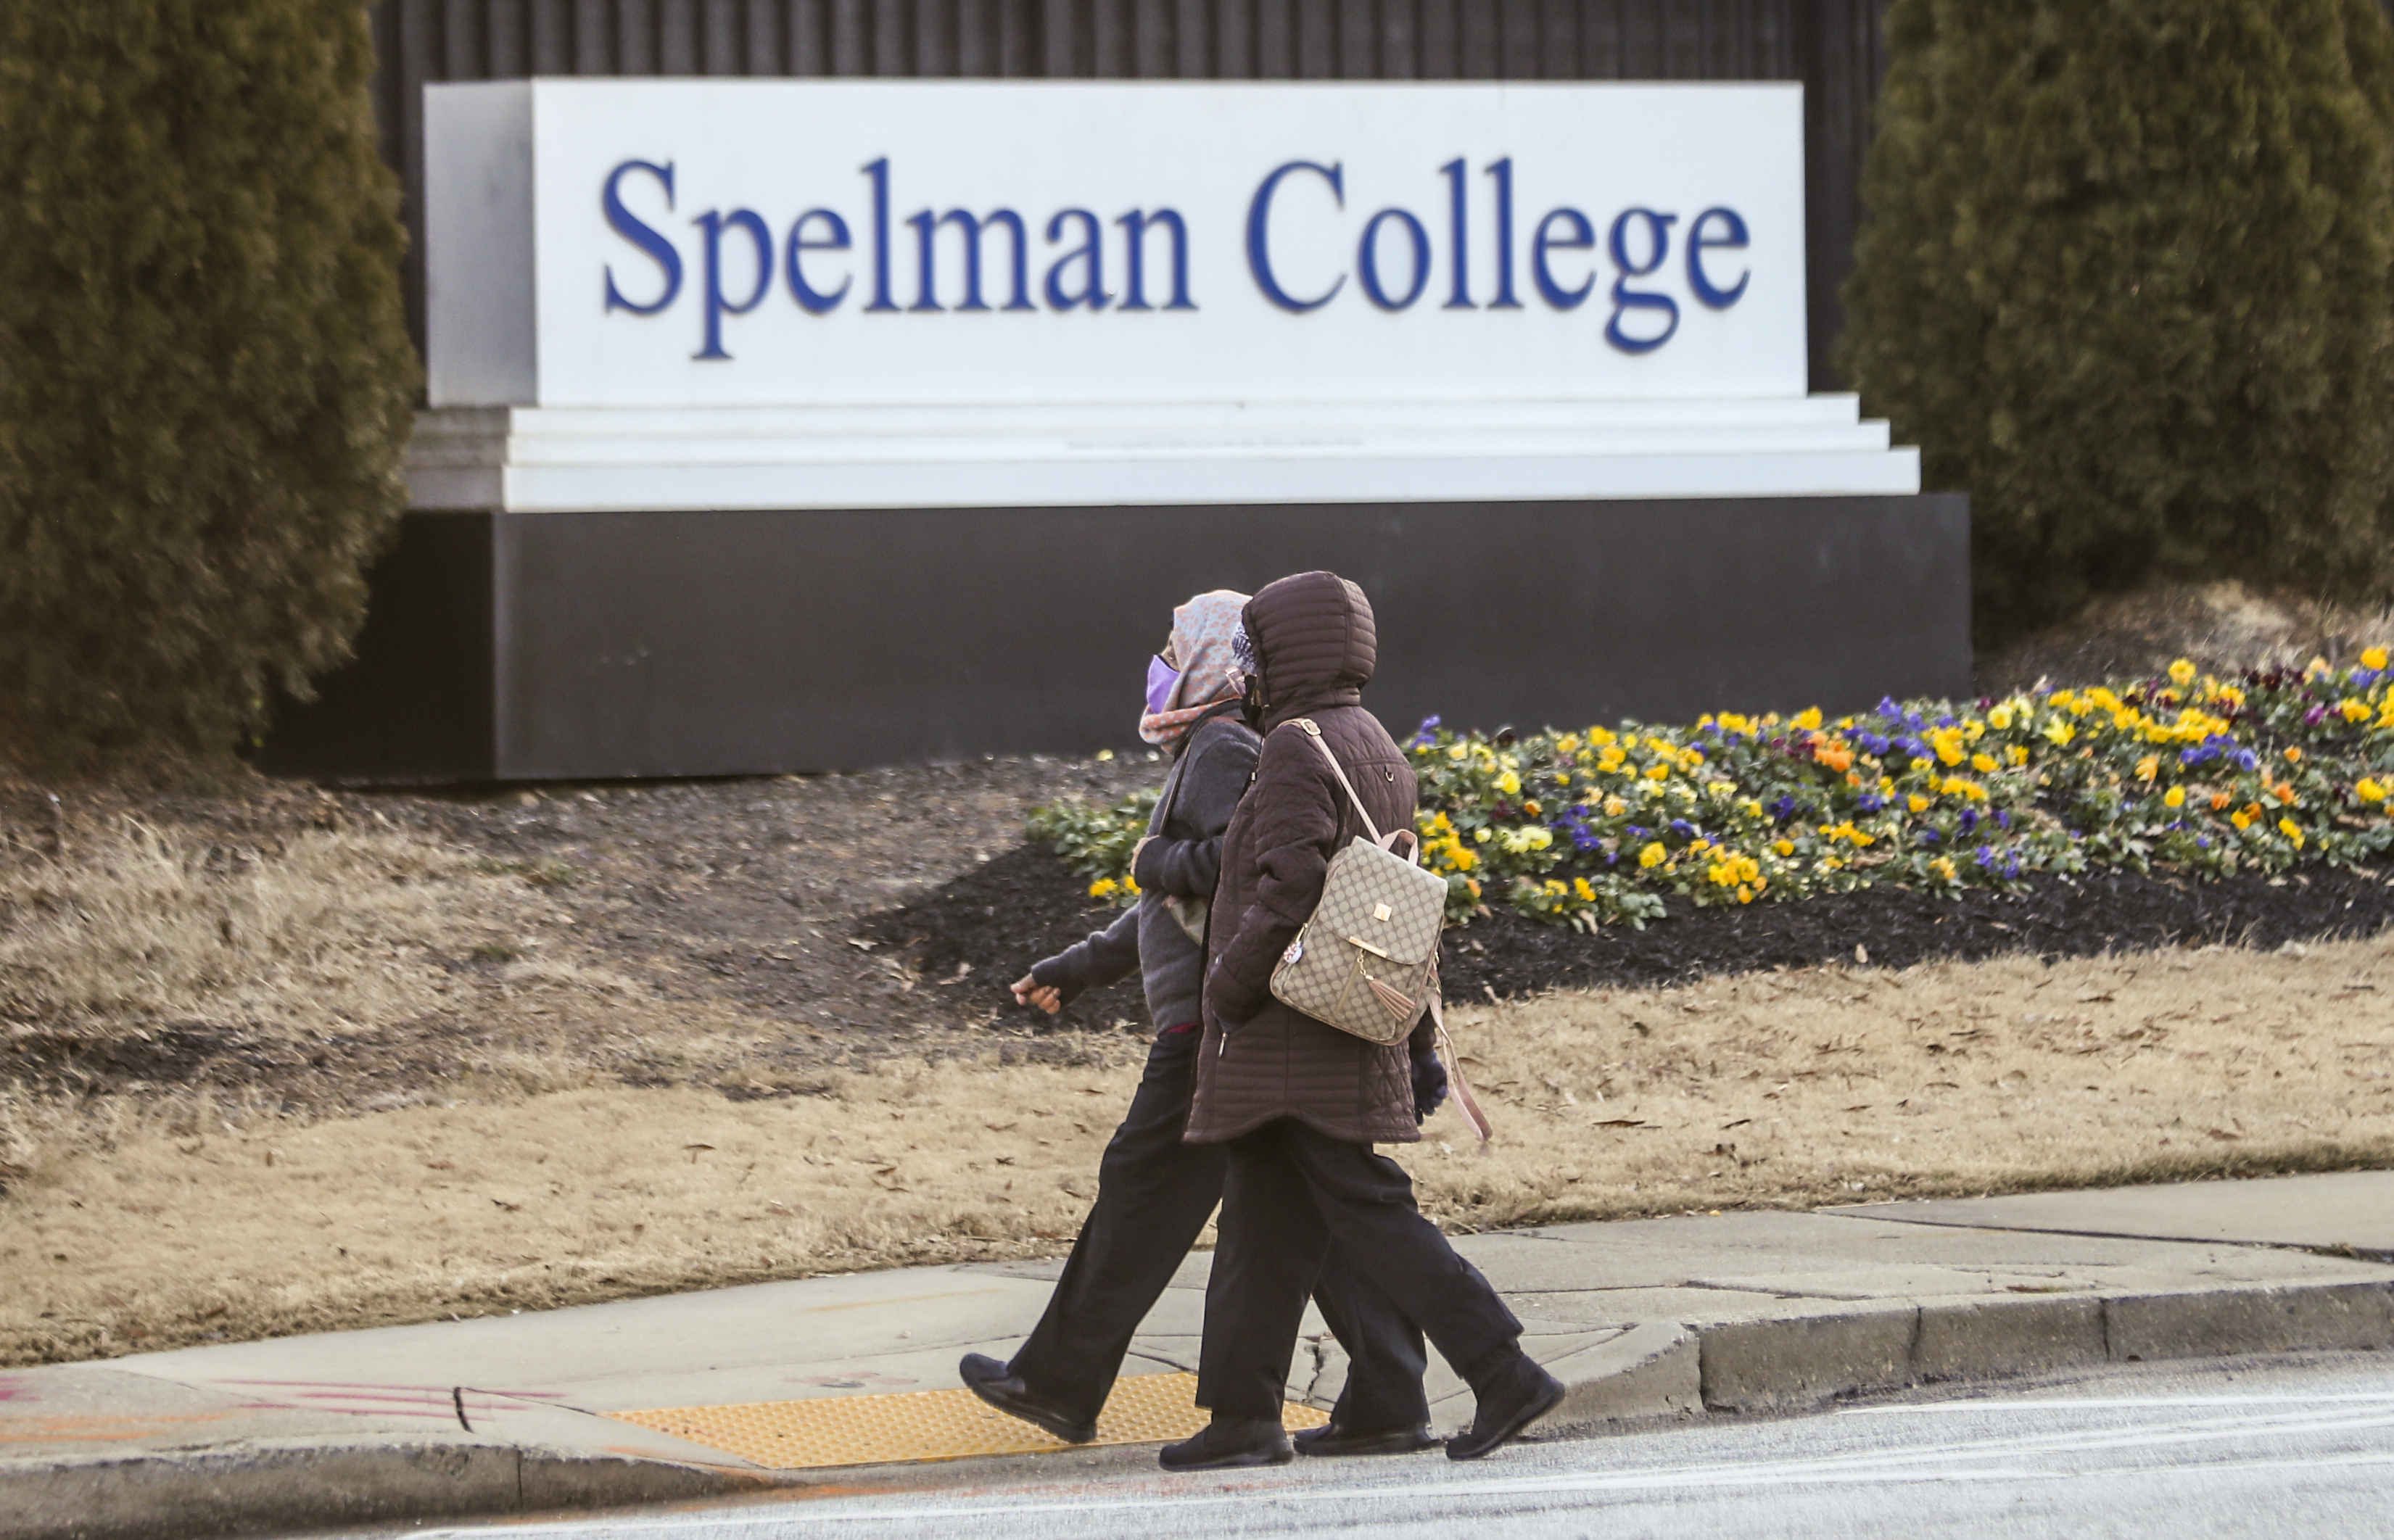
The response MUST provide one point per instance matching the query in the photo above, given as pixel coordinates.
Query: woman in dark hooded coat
(1297, 1103)
(1154, 1192)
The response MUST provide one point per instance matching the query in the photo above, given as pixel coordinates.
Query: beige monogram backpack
(1366, 961)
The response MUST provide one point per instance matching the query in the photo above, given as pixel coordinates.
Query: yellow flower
(1581, 889)
(1510, 784)
(1919, 803)
(1482, 835)
(2374, 657)
(1531, 808)
(1983, 764)
(1784, 847)
(2241, 819)
(2148, 767)
(2017, 755)
(1658, 772)
(1614, 807)
(1609, 757)
(1567, 744)
(1555, 888)
(2181, 674)
(1944, 866)
(2174, 797)
(1458, 753)
(1104, 887)
(1809, 719)
(2291, 830)
(2369, 791)
(2061, 732)
(2001, 717)
(1744, 893)
(2294, 756)
(1653, 855)
(1462, 857)
(2354, 710)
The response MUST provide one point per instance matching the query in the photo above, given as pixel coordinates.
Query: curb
(267, 1488)
(1796, 1363)
(1655, 1370)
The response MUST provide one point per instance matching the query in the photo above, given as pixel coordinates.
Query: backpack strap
(1386, 842)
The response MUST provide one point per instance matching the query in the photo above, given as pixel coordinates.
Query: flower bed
(2181, 773)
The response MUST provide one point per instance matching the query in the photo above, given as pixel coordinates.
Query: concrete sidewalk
(1677, 1317)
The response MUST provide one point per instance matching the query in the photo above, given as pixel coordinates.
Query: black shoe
(1228, 1442)
(1332, 1439)
(1002, 1388)
(1520, 1399)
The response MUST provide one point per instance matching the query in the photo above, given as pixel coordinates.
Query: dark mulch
(1025, 904)
(2108, 911)
(999, 918)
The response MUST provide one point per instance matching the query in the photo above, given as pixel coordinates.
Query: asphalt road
(2272, 1448)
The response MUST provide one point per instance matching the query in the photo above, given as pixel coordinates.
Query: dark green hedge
(2127, 276)
(205, 381)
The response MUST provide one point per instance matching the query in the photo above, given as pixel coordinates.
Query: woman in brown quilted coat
(1299, 1103)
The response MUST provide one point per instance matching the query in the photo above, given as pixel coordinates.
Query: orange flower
(2220, 799)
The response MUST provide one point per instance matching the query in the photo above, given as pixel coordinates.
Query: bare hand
(1030, 991)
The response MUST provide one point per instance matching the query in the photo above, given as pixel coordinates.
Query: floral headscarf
(1201, 645)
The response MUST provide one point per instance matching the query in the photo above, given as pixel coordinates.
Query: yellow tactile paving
(927, 1425)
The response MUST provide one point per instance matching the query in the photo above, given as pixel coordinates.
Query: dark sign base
(531, 647)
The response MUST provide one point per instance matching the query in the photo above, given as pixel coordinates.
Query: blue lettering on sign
(624, 222)
(1625, 299)
(1582, 238)
(1367, 259)
(1638, 241)
(1733, 238)
(1260, 235)
(813, 301)
(713, 224)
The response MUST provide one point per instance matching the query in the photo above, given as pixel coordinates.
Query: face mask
(1163, 679)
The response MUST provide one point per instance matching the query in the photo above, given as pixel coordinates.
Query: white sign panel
(735, 242)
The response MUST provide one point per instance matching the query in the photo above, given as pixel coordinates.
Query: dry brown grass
(143, 1225)
(139, 926)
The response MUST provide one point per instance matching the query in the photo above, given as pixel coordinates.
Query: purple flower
(1930, 837)
(1985, 857)
(1969, 820)
(2003, 820)
(1422, 733)
(1683, 829)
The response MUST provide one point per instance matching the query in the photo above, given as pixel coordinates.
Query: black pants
(1290, 1194)
(1154, 1195)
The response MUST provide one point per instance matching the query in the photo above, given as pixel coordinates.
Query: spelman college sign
(1105, 292)
(798, 424)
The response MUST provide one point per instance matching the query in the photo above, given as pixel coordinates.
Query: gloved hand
(1430, 1083)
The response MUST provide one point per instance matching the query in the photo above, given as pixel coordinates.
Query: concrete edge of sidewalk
(270, 1488)
(1653, 1371)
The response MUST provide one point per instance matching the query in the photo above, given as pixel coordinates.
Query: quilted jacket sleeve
(1294, 808)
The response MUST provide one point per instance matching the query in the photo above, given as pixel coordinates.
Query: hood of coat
(1314, 644)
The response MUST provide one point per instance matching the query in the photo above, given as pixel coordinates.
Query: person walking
(1296, 1103)
(1154, 1191)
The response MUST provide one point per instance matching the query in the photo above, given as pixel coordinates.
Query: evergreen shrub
(205, 379)
(2128, 278)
